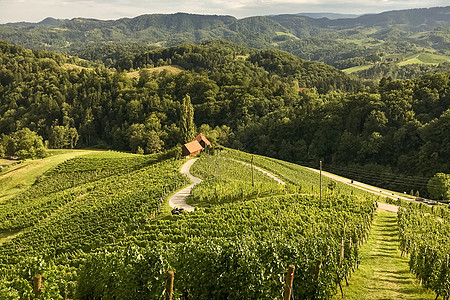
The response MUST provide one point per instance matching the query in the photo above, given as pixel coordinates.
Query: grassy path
(383, 273)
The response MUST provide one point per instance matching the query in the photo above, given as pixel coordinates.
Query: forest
(368, 41)
(263, 101)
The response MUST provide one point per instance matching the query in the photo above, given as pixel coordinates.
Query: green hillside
(425, 58)
(21, 175)
(263, 101)
(343, 43)
(93, 227)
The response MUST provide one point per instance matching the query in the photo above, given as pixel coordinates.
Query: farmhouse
(203, 140)
(191, 149)
(196, 146)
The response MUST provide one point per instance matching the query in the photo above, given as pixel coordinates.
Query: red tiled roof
(303, 89)
(201, 137)
(193, 146)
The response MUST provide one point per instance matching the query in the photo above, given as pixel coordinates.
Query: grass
(424, 58)
(72, 66)
(279, 33)
(172, 69)
(383, 273)
(16, 178)
(4, 161)
(356, 69)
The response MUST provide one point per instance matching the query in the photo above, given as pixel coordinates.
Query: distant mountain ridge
(331, 16)
(334, 41)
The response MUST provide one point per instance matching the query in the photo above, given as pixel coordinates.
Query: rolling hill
(97, 226)
(367, 37)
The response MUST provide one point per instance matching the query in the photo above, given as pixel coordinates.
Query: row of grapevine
(102, 212)
(295, 174)
(65, 183)
(240, 250)
(425, 236)
(227, 180)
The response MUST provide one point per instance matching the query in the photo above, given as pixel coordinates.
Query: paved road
(368, 188)
(179, 199)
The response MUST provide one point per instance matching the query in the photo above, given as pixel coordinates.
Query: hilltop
(343, 42)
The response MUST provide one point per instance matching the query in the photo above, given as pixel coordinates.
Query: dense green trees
(439, 186)
(241, 97)
(23, 143)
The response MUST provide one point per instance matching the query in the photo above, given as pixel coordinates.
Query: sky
(37, 10)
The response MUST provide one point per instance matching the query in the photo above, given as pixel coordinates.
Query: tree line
(263, 101)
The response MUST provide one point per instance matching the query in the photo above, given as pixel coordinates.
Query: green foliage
(228, 180)
(129, 273)
(439, 186)
(217, 248)
(187, 126)
(63, 137)
(99, 236)
(244, 98)
(24, 144)
(70, 181)
(424, 235)
(342, 43)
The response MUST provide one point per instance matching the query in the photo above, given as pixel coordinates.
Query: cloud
(36, 10)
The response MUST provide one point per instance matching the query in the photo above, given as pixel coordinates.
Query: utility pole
(320, 182)
(128, 170)
(253, 179)
(218, 162)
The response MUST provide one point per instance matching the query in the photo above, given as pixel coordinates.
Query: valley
(177, 156)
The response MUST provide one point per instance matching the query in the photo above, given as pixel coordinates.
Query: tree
(154, 143)
(187, 125)
(439, 186)
(63, 137)
(2, 150)
(24, 144)
(73, 137)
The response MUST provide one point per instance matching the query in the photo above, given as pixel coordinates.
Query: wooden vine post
(341, 254)
(169, 285)
(341, 259)
(253, 178)
(37, 284)
(289, 280)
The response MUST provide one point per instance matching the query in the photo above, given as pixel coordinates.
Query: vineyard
(93, 228)
(241, 250)
(64, 184)
(76, 220)
(425, 236)
(231, 182)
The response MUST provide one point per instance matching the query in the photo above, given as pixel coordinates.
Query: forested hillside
(43, 91)
(264, 101)
(344, 43)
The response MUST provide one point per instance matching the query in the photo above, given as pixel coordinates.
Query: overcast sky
(37, 10)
